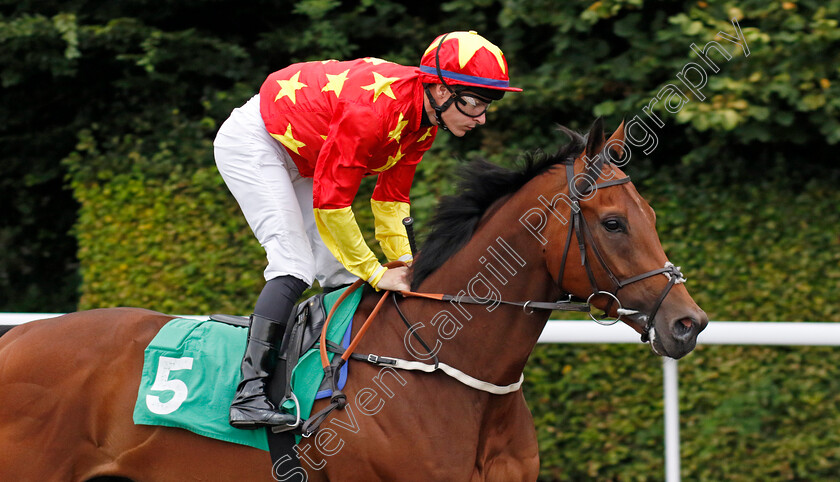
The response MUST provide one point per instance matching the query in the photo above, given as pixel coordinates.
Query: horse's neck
(501, 260)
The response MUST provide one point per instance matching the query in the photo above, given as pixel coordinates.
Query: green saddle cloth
(191, 370)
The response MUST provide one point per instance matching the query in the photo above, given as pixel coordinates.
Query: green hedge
(178, 246)
(158, 228)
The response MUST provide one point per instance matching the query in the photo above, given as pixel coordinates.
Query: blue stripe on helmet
(465, 78)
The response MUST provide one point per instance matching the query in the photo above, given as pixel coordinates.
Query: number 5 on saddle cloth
(191, 369)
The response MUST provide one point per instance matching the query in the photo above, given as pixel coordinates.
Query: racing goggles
(471, 105)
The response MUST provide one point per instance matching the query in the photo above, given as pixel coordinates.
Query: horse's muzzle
(678, 336)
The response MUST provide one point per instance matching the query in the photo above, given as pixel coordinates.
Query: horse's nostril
(684, 327)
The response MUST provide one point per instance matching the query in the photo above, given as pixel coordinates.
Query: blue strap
(465, 78)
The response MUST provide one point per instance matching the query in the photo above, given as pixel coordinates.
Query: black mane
(481, 184)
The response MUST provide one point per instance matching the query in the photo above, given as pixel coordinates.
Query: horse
(566, 225)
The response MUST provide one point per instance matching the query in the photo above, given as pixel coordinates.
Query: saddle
(302, 333)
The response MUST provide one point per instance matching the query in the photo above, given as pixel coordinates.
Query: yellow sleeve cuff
(344, 239)
(390, 231)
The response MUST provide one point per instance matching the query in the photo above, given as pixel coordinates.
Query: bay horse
(567, 224)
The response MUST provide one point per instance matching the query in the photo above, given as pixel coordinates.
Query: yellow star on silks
(289, 87)
(375, 61)
(381, 85)
(335, 82)
(289, 141)
(391, 161)
(468, 45)
(397, 132)
(425, 135)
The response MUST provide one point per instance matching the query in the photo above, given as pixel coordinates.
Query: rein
(527, 306)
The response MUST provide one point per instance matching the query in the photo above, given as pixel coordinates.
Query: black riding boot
(251, 408)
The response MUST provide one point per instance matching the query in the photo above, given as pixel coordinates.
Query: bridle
(582, 233)
(580, 230)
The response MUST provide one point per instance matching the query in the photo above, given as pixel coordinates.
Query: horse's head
(622, 268)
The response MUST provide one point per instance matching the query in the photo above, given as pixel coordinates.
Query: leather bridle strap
(674, 278)
(561, 305)
(527, 306)
(583, 233)
(580, 229)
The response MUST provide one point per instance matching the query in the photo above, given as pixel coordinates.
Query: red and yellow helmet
(466, 58)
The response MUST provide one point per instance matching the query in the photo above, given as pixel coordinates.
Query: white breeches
(276, 200)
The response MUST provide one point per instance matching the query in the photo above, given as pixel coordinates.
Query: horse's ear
(594, 144)
(614, 139)
(595, 138)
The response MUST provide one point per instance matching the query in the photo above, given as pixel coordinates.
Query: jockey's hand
(395, 279)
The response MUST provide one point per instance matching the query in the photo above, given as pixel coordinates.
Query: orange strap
(431, 296)
(325, 362)
(361, 333)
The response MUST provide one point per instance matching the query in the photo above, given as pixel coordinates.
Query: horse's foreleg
(508, 448)
(504, 468)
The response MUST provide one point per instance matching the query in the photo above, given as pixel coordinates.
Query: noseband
(582, 233)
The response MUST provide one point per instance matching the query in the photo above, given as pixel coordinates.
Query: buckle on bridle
(525, 308)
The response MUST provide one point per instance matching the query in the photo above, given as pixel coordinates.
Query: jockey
(294, 155)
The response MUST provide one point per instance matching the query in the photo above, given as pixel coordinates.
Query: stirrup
(291, 426)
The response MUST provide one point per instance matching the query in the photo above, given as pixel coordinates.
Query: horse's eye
(614, 226)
